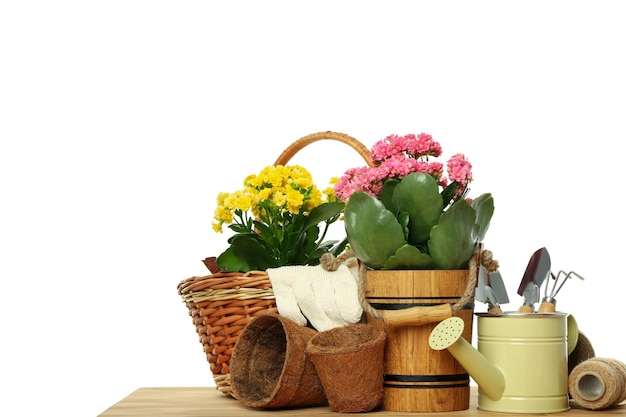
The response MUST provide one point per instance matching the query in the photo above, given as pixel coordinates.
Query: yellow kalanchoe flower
(289, 188)
(294, 201)
(266, 216)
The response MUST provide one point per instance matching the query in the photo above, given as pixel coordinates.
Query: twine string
(331, 263)
(598, 383)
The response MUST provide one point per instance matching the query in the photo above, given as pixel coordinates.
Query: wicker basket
(222, 304)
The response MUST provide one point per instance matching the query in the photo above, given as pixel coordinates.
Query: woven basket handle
(314, 137)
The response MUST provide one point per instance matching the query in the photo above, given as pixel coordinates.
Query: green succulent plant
(410, 226)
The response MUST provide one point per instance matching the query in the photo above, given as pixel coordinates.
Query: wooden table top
(208, 401)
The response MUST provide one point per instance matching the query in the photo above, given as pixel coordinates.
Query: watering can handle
(416, 316)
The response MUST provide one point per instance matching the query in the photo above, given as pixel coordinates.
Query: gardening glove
(327, 299)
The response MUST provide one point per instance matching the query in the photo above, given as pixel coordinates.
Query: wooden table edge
(208, 401)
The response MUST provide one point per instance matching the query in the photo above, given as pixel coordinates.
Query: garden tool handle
(416, 316)
(526, 309)
(546, 307)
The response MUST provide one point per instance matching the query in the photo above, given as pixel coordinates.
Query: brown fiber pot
(349, 361)
(270, 368)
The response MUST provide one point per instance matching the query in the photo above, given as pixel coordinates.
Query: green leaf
(453, 240)
(300, 248)
(246, 253)
(327, 245)
(418, 195)
(228, 262)
(264, 231)
(238, 228)
(315, 255)
(386, 195)
(483, 205)
(323, 212)
(408, 257)
(373, 231)
(403, 219)
(339, 248)
(309, 243)
(448, 193)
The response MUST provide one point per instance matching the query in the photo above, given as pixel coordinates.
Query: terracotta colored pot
(349, 362)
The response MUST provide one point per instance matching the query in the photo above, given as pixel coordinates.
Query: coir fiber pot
(270, 368)
(349, 362)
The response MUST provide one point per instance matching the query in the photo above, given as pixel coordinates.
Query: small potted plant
(404, 213)
(416, 231)
(279, 218)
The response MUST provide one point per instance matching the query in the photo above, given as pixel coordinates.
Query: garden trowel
(537, 271)
(496, 282)
(491, 290)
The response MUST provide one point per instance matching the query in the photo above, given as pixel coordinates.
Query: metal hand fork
(548, 304)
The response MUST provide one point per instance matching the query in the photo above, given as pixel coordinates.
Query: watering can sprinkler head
(447, 335)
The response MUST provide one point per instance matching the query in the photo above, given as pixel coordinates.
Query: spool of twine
(598, 383)
(583, 351)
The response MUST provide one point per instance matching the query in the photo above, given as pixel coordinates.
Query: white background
(120, 121)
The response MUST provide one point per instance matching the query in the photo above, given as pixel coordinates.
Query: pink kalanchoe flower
(435, 148)
(423, 145)
(397, 166)
(351, 181)
(397, 156)
(366, 179)
(459, 169)
(386, 148)
(435, 169)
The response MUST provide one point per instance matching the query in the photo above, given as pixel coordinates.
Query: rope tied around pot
(330, 263)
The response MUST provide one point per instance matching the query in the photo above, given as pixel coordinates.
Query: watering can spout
(447, 335)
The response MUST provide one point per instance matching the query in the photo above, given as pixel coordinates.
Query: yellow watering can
(520, 365)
